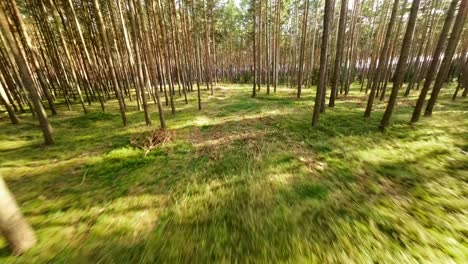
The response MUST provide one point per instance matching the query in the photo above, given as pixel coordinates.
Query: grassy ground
(245, 180)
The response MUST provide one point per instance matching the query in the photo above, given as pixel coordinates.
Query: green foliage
(244, 180)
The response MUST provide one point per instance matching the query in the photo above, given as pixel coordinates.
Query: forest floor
(244, 180)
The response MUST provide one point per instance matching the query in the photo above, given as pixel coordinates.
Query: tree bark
(435, 61)
(339, 52)
(323, 62)
(382, 60)
(26, 79)
(447, 60)
(13, 226)
(8, 105)
(301, 56)
(110, 62)
(254, 48)
(401, 66)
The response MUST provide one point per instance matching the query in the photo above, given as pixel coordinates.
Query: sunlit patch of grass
(244, 180)
(12, 145)
(117, 162)
(280, 178)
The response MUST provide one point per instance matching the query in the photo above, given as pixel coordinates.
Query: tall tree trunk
(26, 77)
(35, 66)
(135, 71)
(447, 60)
(425, 36)
(301, 56)
(267, 49)
(87, 63)
(401, 66)
(152, 62)
(259, 47)
(323, 62)
(207, 50)
(165, 53)
(339, 52)
(277, 44)
(140, 79)
(435, 61)
(382, 60)
(110, 62)
(196, 40)
(254, 48)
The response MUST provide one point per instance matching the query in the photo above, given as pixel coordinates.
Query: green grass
(244, 180)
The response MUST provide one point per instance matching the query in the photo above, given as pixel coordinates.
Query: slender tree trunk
(323, 62)
(152, 62)
(87, 62)
(267, 50)
(165, 53)
(401, 66)
(339, 52)
(382, 60)
(8, 105)
(133, 69)
(140, 79)
(26, 78)
(312, 48)
(422, 40)
(110, 62)
(277, 45)
(462, 80)
(447, 60)
(301, 56)
(33, 56)
(435, 61)
(254, 49)
(197, 53)
(207, 51)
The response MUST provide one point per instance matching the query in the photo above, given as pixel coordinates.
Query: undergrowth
(244, 180)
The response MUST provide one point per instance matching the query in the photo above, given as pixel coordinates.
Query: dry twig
(155, 139)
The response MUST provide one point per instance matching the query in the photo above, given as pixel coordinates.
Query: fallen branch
(155, 139)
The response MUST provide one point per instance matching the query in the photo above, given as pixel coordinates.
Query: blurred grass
(245, 180)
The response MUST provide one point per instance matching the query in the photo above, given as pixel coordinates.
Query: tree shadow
(249, 189)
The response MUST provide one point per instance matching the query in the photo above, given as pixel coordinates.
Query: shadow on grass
(259, 189)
